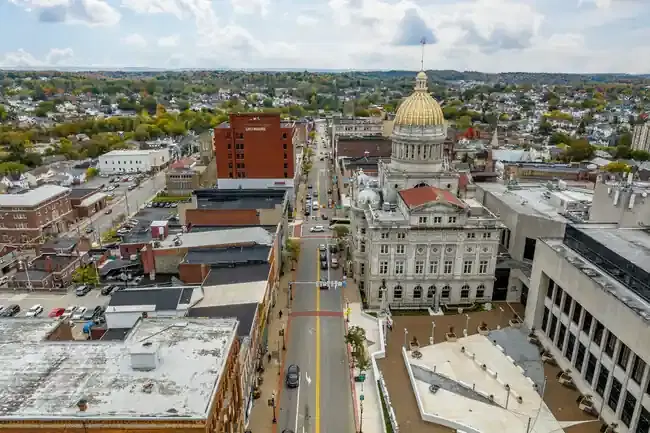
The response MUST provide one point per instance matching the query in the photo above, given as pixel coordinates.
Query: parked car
(89, 229)
(11, 310)
(69, 311)
(56, 312)
(334, 263)
(79, 313)
(323, 264)
(108, 211)
(34, 311)
(292, 378)
(93, 314)
(323, 284)
(82, 290)
(317, 229)
(322, 248)
(4, 279)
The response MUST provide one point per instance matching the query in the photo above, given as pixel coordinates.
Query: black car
(107, 290)
(323, 264)
(323, 284)
(322, 256)
(292, 377)
(93, 314)
(11, 310)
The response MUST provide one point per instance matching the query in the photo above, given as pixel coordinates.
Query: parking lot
(49, 301)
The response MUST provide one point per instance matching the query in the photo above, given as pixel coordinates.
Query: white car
(69, 312)
(34, 311)
(79, 312)
(317, 229)
(4, 279)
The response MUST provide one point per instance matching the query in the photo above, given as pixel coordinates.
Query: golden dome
(420, 109)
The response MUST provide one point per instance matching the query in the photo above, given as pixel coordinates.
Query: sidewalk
(260, 419)
(372, 420)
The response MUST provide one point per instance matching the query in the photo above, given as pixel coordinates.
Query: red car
(56, 312)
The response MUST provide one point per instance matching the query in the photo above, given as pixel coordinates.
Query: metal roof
(32, 197)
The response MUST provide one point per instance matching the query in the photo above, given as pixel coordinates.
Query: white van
(315, 206)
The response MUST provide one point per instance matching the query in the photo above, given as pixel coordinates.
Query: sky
(581, 36)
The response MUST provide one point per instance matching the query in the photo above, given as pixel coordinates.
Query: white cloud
(169, 41)
(135, 40)
(306, 21)
(23, 59)
(89, 12)
(249, 7)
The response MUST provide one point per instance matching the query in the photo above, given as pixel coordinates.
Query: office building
(641, 137)
(133, 161)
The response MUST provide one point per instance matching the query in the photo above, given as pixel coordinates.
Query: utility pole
(126, 200)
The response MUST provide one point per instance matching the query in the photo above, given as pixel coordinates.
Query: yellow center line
(317, 418)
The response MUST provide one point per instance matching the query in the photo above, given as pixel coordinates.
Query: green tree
(292, 250)
(91, 172)
(356, 338)
(86, 275)
(12, 167)
(617, 167)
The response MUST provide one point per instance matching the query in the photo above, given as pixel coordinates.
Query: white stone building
(133, 161)
(641, 137)
(414, 243)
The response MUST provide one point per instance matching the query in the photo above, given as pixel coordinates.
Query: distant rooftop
(536, 199)
(46, 379)
(246, 236)
(32, 197)
(230, 255)
(130, 152)
(237, 274)
(82, 192)
(164, 299)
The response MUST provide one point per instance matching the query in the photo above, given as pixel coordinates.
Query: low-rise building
(167, 375)
(47, 272)
(133, 161)
(86, 202)
(184, 176)
(26, 218)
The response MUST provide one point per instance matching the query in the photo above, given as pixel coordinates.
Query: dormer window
(437, 220)
(422, 220)
(452, 220)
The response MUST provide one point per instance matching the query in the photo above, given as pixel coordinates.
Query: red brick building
(255, 150)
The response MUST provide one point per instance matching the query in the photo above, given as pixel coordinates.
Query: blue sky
(484, 35)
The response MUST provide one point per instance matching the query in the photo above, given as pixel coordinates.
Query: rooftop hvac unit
(145, 357)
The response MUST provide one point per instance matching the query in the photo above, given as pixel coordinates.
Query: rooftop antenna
(423, 42)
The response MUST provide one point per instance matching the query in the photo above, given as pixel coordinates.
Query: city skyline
(578, 36)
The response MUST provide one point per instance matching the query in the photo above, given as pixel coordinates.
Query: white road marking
(308, 379)
(297, 409)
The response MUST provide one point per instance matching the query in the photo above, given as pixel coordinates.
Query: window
(549, 289)
(380, 294)
(400, 249)
(623, 357)
(433, 267)
(286, 165)
(628, 408)
(601, 383)
(480, 291)
(362, 269)
(399, 267)
(643, 426)
(417, 292)
(284, 135)
(383, 268)
(553, 328)
(566, 308)
(422, 220)
(286, 175)
(464, 292)
(545, 319)
(610, 344)
(560, 336)
(614, 394)
(580, 357)
(446, 292)
(384, 235)
(558, 295)
(575, 318)
(431, 292)
(397, 292)
(483, 267)
(401, 235)
(437, 220)
(487, 235)
(638, 367)
(571, 343)
(451, 220)
(419, 267)
(286, 156)
(447, 267)
(471, 235)
(586, 324)
(230, 165)
(467, 266)
(529, 249)
(591, 369)
(362, 247)
(284, 146)
(383, 249)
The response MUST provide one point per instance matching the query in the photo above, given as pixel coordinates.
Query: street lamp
(466, 324)
(406, 333)
(284, 346)
(272, 403)
(433, 332)
(500, 317)
(361, 414)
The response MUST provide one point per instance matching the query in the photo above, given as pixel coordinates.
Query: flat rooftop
(46, 379)
(237, 274)
(255, 235)
(229, 255)
(631, 244)
(239, 199)
(471, 396)
(529, 199)
(32, 197)
(233, 294)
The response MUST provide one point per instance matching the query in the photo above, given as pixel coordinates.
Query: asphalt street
(124, 202)
(315, 342)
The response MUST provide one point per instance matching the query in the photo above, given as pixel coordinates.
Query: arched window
(397, 292)
(417, 292)
(421, 184)
(431, 292)
(464, 292)
(480, 291)
(446, 292)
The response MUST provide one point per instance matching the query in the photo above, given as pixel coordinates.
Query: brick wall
(205, 217)
(193, 273)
